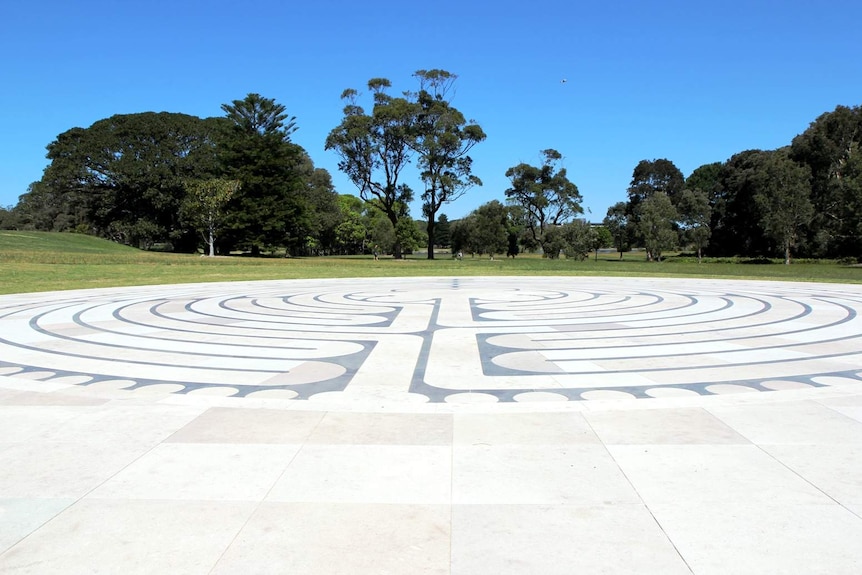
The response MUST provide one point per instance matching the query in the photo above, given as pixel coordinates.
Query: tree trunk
(211, 242)
(397, 252)
(430, 228)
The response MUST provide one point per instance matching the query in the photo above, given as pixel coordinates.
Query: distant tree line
(236, 182)
(239, 183)
(804, 199)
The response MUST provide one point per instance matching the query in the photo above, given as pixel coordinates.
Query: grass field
(42, 261)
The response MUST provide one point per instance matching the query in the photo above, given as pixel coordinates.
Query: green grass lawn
(42, 261)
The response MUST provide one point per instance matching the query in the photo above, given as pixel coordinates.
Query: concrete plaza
(433, 425)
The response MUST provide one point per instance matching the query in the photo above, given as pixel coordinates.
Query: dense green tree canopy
(784, 197)
(271, 208)
(694, 216)
(578, 238)
(547, 196)
(489, 235)
(831, 147)
(133, 178)
(260, 116)
(123, 176)
(655, 223)
(617, 223)
(736, 217)
(654, 176)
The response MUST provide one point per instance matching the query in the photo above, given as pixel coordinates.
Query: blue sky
(693, 82)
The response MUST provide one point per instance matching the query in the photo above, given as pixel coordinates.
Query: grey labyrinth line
(302, 390)
(488, 352)
(49, 366)
(498, 339)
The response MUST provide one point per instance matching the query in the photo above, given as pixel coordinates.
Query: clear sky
(694, 82)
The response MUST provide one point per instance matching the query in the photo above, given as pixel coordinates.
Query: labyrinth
(435, 340)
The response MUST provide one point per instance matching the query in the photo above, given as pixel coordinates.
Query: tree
(832, 149)
(649, 178)
(262, 116)
(441, 231)
(785, 202)
(616, 222)
(463, 234)
(736, 218)
(204, 206)
(602, 238)
(706, 178)
(408, 235)
(548, 197)
(514, 229)
(489, 233)
(9, 219)
(375, 148)
(350, 232)
(694, 216)
(520, 237)
(122, 177)
(323, 211)
(652, 176)
(442, 140)
(656, 219)
(271, 208)
(579, 237)
(54, 209)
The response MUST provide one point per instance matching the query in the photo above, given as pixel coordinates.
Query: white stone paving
(436, 425)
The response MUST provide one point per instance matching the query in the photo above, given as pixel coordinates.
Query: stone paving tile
(55, 470)
(206, 472)
(832, 468)
(734, 537)
(226, 425)
(59, 399)
(434, 425)
(712, 473)
(23, 423)
(386, 474)
(791, 423)
(541, 428)
(383, 429)
(130, 537)
(341, 538)
(665, 426)
(560, 539)
(20, 517)
(538, 475)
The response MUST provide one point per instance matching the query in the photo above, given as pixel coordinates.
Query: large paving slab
(433, 425)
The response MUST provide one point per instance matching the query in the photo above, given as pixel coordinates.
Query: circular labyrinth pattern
(475, 340)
